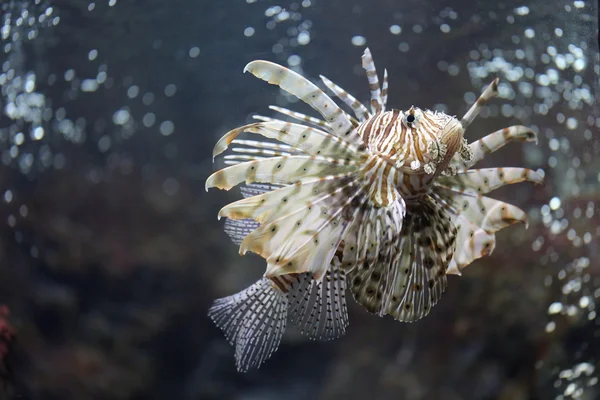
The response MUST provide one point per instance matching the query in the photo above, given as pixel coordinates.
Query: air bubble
(359, 40)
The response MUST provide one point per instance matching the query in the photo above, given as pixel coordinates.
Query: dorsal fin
(369, 66)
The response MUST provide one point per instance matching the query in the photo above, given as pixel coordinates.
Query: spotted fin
(264, 207)
(368, 249)
(238, 229)
(302, 138)
(253, 321)
(478, 218)
(278, 170)
(305, 239)
(492, 142)
(319, 123)
(250, 150)
(482, 181)
(339, 122)
(485, 212)
(406, 276)
(318, 308)
(473, 242)
(489, 92)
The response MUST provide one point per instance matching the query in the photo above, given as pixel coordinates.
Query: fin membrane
(253, 321)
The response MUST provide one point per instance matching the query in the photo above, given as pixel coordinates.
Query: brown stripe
(384, 178)
(367, 128)
(390, 125)
(281, 284)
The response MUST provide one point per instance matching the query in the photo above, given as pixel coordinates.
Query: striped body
(409, 153)
(385, 203)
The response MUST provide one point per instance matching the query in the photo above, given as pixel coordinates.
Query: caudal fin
(253, 321)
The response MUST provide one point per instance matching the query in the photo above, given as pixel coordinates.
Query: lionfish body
(382, 202)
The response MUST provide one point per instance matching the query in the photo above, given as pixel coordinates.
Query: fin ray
(357, 107)
(369, 67)
(302, 88)
(482, 181)
(278, 170)
(252, 320)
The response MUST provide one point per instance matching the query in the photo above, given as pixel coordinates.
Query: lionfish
(383, 202)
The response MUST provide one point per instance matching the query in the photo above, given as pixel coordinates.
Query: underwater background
(111, 252)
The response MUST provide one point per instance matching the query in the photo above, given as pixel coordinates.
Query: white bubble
(294, 60)
(249, 31)
(69, 75)
(359, 40)
(92, 54)
(570, 389)
(554, 203)
(470, 97)
(194, 52)
(560, 61)
(29, 85)
(170, 90)
(104, 143)
(101, 77)
(282, 16)
(273, 10)
(395, 29)
(148, 98)
(19, 138)
(555, 308)
(453, 69)
(579, 64)
(133, 91)
(148, 120)
(167, 128)
(303, 38)
(445, 28)
(89, 85)
(38, 133)
(523, 10)
(543, 79)
(530, 33)
(120, 117)
(8, 196)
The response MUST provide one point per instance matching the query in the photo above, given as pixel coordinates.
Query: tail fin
(253, 321)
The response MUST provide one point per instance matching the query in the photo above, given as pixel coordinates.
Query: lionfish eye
(410, 120)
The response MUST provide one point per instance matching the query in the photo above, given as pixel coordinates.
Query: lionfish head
(438, 136)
